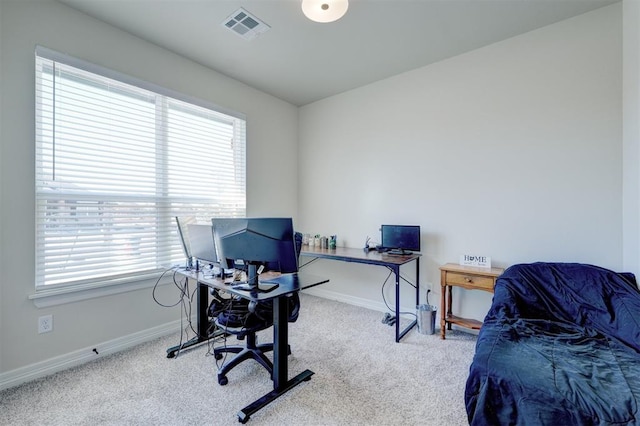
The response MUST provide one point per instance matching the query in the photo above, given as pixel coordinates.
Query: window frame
(51, 294)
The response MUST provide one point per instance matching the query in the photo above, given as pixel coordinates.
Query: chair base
(250, 351)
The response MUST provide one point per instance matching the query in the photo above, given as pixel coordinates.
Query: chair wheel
(222, 380)
(217, 356)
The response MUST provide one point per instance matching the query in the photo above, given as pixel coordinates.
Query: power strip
(388, 319)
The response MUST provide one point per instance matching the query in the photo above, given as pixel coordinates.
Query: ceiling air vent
(245, 24)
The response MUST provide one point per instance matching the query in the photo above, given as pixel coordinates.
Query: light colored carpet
(362, 377)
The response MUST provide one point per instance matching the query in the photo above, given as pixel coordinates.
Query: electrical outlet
(45, 324)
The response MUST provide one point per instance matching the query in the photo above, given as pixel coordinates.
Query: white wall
(271, 176)
(532, 125)
(512, 151)
(631, 147)
(1, 194)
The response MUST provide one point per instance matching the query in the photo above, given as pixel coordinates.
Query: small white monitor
(182, 223)
(201, 242)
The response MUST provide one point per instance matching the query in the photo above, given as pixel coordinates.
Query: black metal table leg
(202, 326)
(414, 323)
(281, 384)
(246, 412)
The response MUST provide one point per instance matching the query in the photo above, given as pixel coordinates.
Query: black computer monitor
(400, 239)
(183, 232)
(201, 243)
(256, 241)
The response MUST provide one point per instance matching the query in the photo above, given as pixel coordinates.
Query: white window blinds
(116, 160)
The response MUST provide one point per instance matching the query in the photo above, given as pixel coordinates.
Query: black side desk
(288, 283)
(392, 262)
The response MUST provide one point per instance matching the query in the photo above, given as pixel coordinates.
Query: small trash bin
(426, 316)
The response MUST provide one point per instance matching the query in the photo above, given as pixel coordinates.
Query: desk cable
(388, 318)
(307, 263)
(185, 300)
(226, 306)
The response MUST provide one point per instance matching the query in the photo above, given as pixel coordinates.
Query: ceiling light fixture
(324, 10)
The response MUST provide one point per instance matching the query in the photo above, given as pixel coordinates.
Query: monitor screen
(402, 239)
(256, 241)
(183, 232)
(201, 243)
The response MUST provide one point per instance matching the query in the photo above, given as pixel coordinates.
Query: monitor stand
(252, 284)
(399, 252)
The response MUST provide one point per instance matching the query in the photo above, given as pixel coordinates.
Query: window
(116, 160)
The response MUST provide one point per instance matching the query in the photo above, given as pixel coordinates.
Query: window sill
(59, 296)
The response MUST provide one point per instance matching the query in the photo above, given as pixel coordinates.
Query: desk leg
(417, 282)
(280, 342)
(203, 324)
(449, 305)
(396, 271)
(443, 309)
(280, 363)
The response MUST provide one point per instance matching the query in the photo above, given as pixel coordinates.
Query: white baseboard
(75, 358)
(53, 365)
(375, 306)
(352, 300)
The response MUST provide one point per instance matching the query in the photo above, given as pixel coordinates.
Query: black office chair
(233, 316)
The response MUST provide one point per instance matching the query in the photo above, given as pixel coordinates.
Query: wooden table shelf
(464, 322)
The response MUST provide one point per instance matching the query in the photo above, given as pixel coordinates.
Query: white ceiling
(301, 61)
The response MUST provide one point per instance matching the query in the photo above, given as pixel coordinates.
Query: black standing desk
(372, 257)
(288, 283)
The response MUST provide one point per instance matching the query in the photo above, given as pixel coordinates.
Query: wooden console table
(469, 277)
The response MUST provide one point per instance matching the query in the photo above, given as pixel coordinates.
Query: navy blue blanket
(559, 346)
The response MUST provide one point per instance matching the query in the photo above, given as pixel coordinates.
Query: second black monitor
(401, 239)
